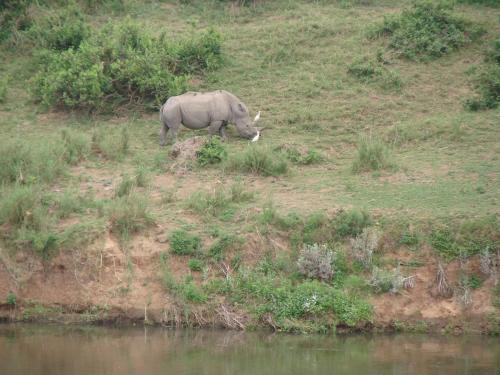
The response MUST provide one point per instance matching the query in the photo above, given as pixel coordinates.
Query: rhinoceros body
(213, 109)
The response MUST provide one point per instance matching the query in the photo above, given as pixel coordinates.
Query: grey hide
(214, 110)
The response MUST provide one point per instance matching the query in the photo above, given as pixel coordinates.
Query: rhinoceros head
(246, 127)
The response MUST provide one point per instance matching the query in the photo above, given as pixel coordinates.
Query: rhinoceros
(214, 110)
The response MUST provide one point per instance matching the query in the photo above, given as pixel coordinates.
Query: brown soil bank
(106, 284)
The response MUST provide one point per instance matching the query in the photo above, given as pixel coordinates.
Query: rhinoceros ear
(257, 117)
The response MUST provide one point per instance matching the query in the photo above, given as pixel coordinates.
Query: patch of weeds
(187, 290)
(486, 81)
(372, 155)
(195, 265)
(129, 214)
(239, 194)
(351, 223)
(70, 202)
(142, 177)
(212, 152)
(41, 161)
(300, 156)
(471, 281)
(113, 144)
(183, 243)
(368, 71)
(3, 89)
(76, 144)
(125, 186)
(316, 228)
(260, 160)
(354, 283)
(427, 30)
(213, 203)
(11, 299)
(409, 238)
(221, 245)
(81, 234)
(383, 281)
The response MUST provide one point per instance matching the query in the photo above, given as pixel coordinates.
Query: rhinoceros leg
(215, 127)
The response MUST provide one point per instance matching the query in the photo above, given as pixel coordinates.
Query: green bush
(123, 63)
(195, 265)
(11, 299)
(285, 300)
(258, 160)
(14, 17)
(183, 243)
(212, 152)
(487, 81)
(372, 155)
(427, 30)
(59, 29)
(351, 223)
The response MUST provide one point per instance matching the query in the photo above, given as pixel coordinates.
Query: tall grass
(372, 155)
(258, 160)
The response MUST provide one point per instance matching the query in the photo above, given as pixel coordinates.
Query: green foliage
(195, 265)
(123, 63)
(218, 249)
(111, 143)
(125, 186)
(59, 29)
(491, 3)
(471, 281)
(300, 156)
(129, 214)
(258, 160)
(427, 30)
(351, 223)
(467, 238)
(372, 155)
(212, 152)
(186, 290)
(14, 17)
(368, 70)
(487, 82)
(76, 144)
(11, 299)
(285, 300)
(183, 243)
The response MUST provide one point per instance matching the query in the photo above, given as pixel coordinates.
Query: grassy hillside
(357, 135)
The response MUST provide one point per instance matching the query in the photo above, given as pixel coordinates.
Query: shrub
(383, 281)
(129, 214)
(427, 30)
(59, 29)
(195, 265)
(487, 84)
(372, 155)
(212, 152)
(258, 160)
(364, 245)
(183, 243)
(123, 63)
(351, 223)
(315, 262)
(11, 299)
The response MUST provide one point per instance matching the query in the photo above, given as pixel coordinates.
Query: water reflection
(94, 350)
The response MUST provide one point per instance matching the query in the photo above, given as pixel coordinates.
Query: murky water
(93, 350)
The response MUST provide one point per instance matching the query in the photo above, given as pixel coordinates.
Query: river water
(52, 350)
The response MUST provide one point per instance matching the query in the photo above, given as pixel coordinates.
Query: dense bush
(212, 152)
(59, 29)
(427, 30)
(123, 63)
